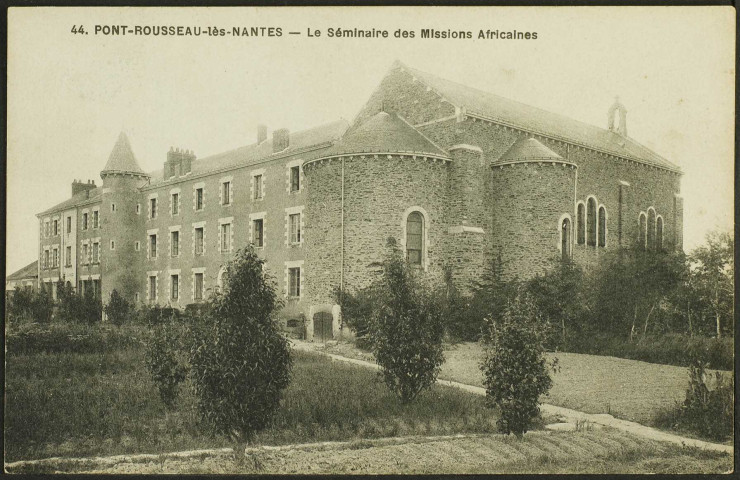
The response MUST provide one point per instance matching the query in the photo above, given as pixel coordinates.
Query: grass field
(628, 389)
(72, 404)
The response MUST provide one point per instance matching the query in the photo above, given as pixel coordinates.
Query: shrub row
(33, 338)
(668, 349)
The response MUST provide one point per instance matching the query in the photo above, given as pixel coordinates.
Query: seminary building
(457, 175)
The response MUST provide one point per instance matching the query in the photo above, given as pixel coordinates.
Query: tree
(514, 366)
(561, 298)
(118, 308)
(712, 273)
(407, 328)
(631, 285)
(239, 361)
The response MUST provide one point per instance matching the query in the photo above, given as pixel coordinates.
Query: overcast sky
(69, 95)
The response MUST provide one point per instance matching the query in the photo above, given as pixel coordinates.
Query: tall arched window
(581, 219)
(651, 229)
(414, 238)
(642, 230)
(602, 226)
(659, 234)
(565, 233)
(591, 221)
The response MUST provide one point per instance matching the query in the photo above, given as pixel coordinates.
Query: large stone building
(457, 175)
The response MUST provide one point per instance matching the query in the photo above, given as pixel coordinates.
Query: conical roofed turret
(527, 150)
(122, 160)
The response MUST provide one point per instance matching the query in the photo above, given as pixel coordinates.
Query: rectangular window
(257, 187)
(258, 232)
(175, 203)
(69, 224)
(199, 241)
(152, 208)
(68, 257)
(84, 221)
(112, 207)
(46, 259)
(199, 199)
(56, 227)
(226, 237)
(294, 222)
(84, 254)
(225, 192)
(96, 252)
(198, 282)
(137, 246)
(112, 244)
(175, 242)
(153, 246)
(138, 208)
(95, 219)
(175, 288)
(294, 282)
(45, 230)
(295, 178)
(152, 289)
(56, 258)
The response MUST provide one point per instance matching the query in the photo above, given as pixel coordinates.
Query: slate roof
(533, 119)
(30, 270)
(527, 149)
(385, 133)
(80, 198)
(254, 153)
(122, 159)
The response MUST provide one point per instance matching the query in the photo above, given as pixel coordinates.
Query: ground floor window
(294, 282)
(198, 286)
(175, 287)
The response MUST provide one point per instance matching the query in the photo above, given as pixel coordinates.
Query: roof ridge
(588, 131)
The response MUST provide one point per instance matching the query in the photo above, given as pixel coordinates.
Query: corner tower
(381, 179)
(122, 221)
(533, 192)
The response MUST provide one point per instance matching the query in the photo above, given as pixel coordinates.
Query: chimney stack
(280, 140)
(261, 133)
(79, 186)
(179, 162)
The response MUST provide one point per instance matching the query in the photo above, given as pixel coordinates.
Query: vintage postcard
(374, 240)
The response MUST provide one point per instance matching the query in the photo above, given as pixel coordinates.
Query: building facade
(456, 175)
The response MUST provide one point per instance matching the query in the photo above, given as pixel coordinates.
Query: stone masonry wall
(531, 198)
(377, 194)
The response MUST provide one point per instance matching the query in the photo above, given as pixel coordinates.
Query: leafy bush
(357, 308)
(704, 412)
(515, 370)
(75, 308)
(240, 362)
(118, 308)
(164, 362)
(406, 329)
(25, 305)
(489, 296)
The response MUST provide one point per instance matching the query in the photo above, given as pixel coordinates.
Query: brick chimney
(261, 133)
(179, 162)
(280, 140)
(80, 186)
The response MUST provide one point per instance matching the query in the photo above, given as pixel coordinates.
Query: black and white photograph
(370, 240)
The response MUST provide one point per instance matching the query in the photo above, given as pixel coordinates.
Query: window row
(226, 192)
(174, 288)
(225, 236)
(650, 230)
(591, 223)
